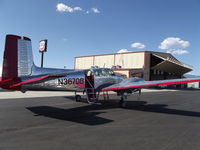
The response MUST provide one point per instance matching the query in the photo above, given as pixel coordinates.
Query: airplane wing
(141, 84)
(36, 79)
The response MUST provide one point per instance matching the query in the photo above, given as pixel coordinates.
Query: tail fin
(18, 57)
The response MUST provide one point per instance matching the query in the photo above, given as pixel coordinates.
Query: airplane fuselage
(20, 73)
(74, 80)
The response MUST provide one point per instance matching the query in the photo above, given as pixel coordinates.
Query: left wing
(141, 84)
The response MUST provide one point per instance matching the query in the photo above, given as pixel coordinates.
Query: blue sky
(89, 27)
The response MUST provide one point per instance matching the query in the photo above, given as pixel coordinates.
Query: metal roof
(171, 64)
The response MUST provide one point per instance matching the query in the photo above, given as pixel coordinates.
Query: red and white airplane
(20, 73)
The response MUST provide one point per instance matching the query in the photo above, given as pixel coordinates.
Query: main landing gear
(78, 98)
(92, 96)
(124, 96)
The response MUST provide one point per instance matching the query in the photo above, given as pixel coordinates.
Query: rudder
(18, 57)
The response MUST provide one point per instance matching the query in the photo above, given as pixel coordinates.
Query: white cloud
(95, 10)
(78, 8)
(60, 7)
(64, 8)
(123, 51)
(174, 45)
(138, 45)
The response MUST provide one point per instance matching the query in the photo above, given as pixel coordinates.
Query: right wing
(141, 84)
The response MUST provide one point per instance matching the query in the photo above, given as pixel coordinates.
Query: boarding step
(92, 95)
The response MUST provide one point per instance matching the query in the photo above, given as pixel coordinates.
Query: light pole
(42, 49)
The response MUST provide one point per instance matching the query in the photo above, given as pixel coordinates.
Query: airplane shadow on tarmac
(82, 115)
(88, 114)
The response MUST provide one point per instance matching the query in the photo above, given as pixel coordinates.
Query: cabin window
(96, 73)
(104, 72)
(111, 72)
(89, 73)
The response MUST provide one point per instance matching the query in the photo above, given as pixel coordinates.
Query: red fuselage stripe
(36, 79)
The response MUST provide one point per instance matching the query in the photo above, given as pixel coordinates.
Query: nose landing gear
(123, 101)
(78, 98)
(124, 96)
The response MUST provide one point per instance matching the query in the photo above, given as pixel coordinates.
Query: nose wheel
(78, 98)
(123, 101)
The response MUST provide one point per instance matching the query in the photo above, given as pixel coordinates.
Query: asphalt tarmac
(168, 120)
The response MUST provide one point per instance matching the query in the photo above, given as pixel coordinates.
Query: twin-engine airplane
(20, 73)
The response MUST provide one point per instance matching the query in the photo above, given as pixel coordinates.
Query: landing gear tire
(78, 98)
(122, 104)
(123, 101)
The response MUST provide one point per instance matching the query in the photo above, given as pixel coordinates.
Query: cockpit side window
(96, 73)
(103, 72)
(111, 72)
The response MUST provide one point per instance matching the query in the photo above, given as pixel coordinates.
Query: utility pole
(42, 59)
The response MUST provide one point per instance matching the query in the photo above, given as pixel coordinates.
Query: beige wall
(106, 61)
(83, 62)
(126, 60)
(130, 60)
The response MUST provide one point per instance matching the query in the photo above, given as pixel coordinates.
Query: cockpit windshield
(103, 72)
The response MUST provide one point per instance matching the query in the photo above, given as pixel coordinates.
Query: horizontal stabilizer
(5, 82)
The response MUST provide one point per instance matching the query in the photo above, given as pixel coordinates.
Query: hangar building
(147, 64)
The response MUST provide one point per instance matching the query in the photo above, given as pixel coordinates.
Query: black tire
(78, 98)
(122, 104)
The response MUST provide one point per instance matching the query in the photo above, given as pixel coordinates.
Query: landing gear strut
(124, 95)
(123, 101)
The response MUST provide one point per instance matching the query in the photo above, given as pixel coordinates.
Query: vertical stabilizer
(18, 57)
